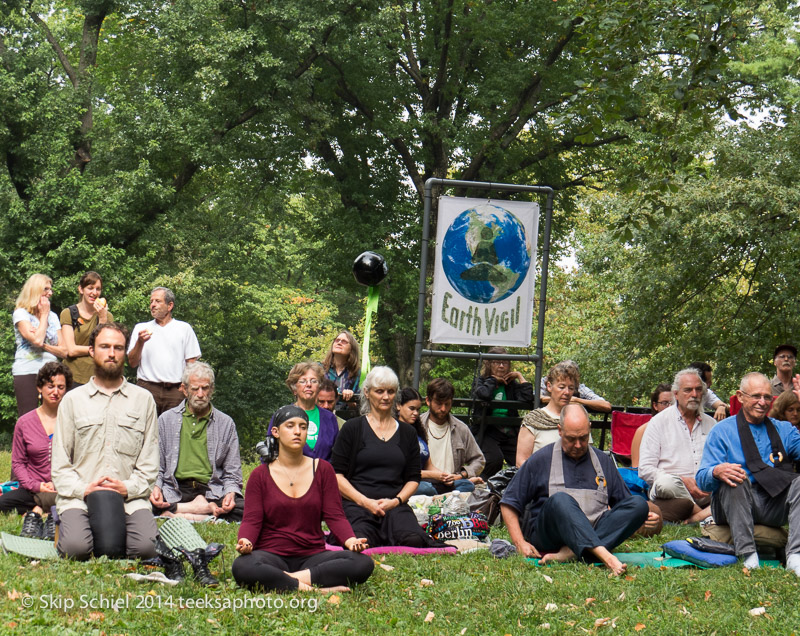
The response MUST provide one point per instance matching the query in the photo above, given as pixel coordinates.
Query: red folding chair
(623, 427)
(736, 405)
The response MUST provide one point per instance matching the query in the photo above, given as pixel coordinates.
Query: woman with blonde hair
(37, 334)
(342, 364)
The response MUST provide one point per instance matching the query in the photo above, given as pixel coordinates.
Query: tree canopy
(244, 153)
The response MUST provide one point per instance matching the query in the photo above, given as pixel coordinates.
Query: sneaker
(49, 529)
(32, 526)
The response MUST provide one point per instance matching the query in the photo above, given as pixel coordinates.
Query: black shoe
(173, 565)
(32, 526)
(199, 560)
(49, 529)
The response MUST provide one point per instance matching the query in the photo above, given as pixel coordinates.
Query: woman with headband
(281, 542)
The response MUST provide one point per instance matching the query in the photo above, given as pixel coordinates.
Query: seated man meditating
(574, 500)
(105, 458)
(747, 467)
(200, 472)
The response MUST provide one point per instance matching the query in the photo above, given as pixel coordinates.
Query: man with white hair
(200, 472)
(671, 450)
(747, 467)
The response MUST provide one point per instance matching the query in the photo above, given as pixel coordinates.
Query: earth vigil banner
(484, 274)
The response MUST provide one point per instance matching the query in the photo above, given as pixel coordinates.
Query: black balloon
(370, 269)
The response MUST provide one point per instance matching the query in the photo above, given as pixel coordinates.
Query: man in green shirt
(200, 470)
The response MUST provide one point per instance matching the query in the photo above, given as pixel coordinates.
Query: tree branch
(65, 63)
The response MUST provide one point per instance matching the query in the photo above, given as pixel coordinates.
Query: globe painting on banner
(485, 271)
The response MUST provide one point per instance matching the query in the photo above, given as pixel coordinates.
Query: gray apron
(593, 503)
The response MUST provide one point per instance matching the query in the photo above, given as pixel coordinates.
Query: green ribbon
(372, 306)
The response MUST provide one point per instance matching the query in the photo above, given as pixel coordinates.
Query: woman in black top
(376, 459)
(499, 382)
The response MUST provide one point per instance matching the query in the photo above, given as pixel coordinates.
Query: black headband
(288, 412)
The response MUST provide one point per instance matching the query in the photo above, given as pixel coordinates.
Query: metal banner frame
(423, 270)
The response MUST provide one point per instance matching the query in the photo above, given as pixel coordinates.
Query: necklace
(291, 479)
(446, 431)
(378, 427)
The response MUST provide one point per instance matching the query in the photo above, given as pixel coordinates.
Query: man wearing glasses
(784, 359)
(747, 467)
(671, 450)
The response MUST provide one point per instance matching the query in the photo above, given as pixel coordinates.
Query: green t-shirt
(313, 427)
(193, 462)
(500, 394)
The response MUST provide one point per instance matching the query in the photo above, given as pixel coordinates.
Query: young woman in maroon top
(281, 542)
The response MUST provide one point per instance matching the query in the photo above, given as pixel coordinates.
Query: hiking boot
(173, 564)
(49, 529)
(32, 526)
(199, 560)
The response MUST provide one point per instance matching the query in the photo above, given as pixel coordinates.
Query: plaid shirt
(223, 452)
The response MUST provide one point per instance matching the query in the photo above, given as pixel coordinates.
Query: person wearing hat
(784, 359)
(281, 543)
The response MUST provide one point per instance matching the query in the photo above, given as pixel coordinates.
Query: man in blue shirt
(572, 500)
(747, 467)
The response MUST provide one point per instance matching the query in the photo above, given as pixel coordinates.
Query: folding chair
(623, 427)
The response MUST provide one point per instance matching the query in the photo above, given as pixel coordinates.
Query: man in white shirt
(161, 349)
(672, 448)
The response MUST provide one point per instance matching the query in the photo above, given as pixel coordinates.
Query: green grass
(472, 594)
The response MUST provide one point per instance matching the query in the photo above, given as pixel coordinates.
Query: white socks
(751, 562)
(793, 563)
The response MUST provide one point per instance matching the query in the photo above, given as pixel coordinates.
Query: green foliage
(245, 153)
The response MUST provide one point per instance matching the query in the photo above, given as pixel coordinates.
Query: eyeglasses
(312, 382)
(341, 341)
(785, 356)
(664, 403)
(767, 397)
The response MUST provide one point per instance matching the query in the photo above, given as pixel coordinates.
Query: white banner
(485, 272)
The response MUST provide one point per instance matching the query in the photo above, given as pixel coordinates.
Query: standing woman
(37, 334)
(30, 454)
(342, 364)
(540, 426)
(77, 323)
(285, 503)
(376, 459)
(304, 381)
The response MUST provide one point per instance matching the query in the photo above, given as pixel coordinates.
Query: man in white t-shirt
(161, 349)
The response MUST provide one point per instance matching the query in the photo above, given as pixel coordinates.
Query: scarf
(540, 420)
(774, 479)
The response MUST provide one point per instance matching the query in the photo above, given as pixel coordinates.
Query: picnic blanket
(31, 548)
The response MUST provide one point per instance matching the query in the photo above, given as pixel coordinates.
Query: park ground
(470, 594)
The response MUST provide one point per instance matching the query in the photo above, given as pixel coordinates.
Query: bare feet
(562, 556)
(198, 506)
(698, 514)
(304, 576)
(609, 560)
(335, 588)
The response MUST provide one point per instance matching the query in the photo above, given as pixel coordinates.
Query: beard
(109, 370)
(198, 405)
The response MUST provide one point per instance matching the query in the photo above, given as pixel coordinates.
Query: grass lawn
(471, 594)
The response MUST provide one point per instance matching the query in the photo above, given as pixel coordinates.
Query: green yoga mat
(32, 548)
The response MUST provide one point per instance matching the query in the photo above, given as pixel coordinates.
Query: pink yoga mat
(398, 549)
